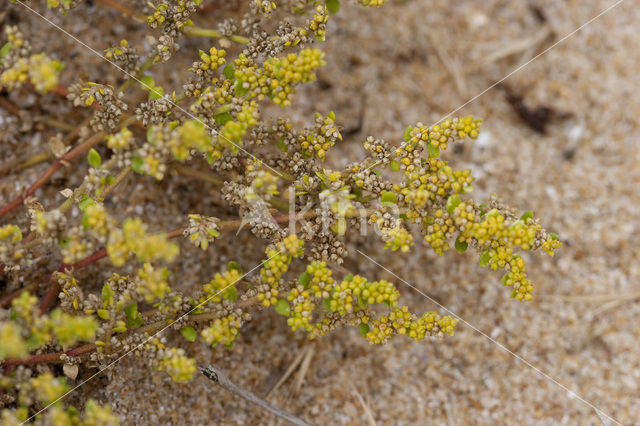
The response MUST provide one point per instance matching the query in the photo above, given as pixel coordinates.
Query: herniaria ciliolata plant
(260, 165)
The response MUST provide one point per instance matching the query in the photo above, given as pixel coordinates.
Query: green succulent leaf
(85, 202)
(304, 279)
(134, 319)
(333, 6)
(282, 307)
(388, 197)
(94, 158)
(453, 202)
(107, 294)
(363, 329)
(189, 333)
(136, 164)
(484, 259)
(434, 152)
(461, 246)
(526, 215)
(229, 72)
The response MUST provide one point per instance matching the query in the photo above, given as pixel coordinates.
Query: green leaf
(189, 333)
(136, 164)
(231, 293)
(147, 82)
(504, 279)
(348, 278)
(85, 202)
(526, 215)
(222, 118)
(63, 242)
(85, 221)
(282, 307)
(103, 313)
(327, 305)
(407, 133)
(434, 152)
(239, 89)
(150, 132)
(553, 236)
(234, 265)
(363, 329)
(134, 319)
(332, 115)
(461, 246)
(107, 294)
(229, 72)
(453, 202)
(94, 158)
(395, 165)
(484, 259)
(388, 197)
(333, 6)
(156, 92)
(304, 279)
(4, 50)
(282, 146)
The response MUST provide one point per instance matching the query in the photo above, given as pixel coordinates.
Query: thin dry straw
(213, 373)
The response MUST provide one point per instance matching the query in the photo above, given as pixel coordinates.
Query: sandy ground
(580, 332)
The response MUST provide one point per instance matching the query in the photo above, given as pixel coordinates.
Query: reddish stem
(51, 170)
(54, 288)
(50, 358)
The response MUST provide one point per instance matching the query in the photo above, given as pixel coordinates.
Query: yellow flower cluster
(70, 329)
(191, 134)
(321, 279)
(499, 237)
(158, 16)
(98, 415)
(134, 238)
(354, 293)
(324, 137)
(549, 245)
(120, 141)
(11, 232)
(264, 184)
(41, 329)
(179, 366)
(372, 3)
(38, 69)
(12, 345)
(317, 24)
(397, 238)
(401, 321)
(152, 283)
(276, 264)
(48, 388)
(302, 313)
(213, 60)
(438, 230)
(517, 278)
(202, 230)
(293, 245)
(232, 132)
(98, 219)
(285, 73)
(222, 330)
(221, 286)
